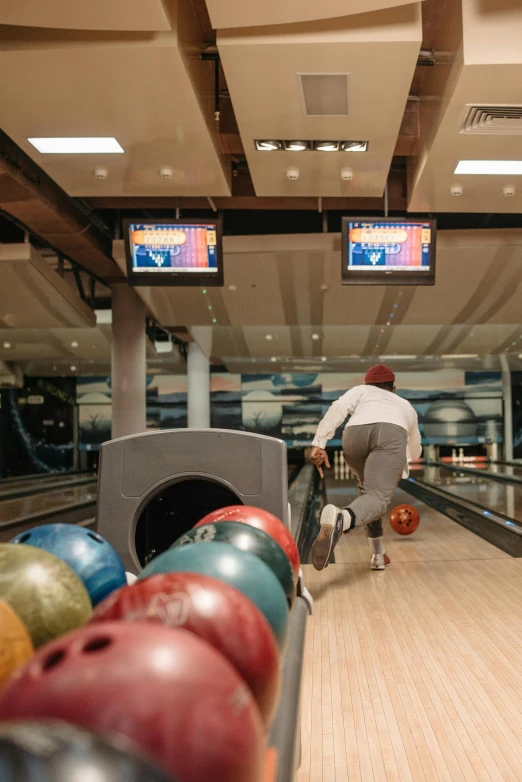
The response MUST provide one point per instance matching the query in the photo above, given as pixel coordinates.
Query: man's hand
(318, 457)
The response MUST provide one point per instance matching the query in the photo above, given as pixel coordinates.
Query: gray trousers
(376, 453)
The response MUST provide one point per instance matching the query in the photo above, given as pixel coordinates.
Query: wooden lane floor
(413, 674)
(30, 508)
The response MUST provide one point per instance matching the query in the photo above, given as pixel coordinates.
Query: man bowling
(379, 438)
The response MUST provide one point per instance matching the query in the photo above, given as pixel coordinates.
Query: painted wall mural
(37, 427)
(454, 407)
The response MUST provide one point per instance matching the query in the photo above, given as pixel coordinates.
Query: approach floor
(413, 673)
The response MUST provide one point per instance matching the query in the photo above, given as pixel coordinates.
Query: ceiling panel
(33, 295)
(289, 286)
(237, 13)
(262, 67)
(410, 340)
(146, 90)
(82, 15)
(483, 67)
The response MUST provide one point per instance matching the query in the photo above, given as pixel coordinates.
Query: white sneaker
(379, 561)
(332, 524)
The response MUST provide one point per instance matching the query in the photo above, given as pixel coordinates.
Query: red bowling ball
(216, 612)
(263, 520)
(404, 519)
(169, 692)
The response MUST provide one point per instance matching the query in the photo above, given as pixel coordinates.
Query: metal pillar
(508, 408)
(128, 362)
(198, 382)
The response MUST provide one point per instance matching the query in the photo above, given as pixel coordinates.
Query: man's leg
(336, 520)
(379, 558)
(382, 472)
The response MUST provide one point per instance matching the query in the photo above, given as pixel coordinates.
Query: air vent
(325, 94)
(494, 120)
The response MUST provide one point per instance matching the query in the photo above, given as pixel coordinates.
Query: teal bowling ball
(246, 538)
(239, 569)
(92, 558)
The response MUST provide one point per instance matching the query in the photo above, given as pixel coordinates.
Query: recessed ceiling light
(268, 337)
(274, 358)
(76, 146)
(73, 368)
(323, 358)
(397, 357)
(486, 167)
(326, 146)
(232, 287)
(268, 145)
(315, 336)
(460, 355)
(354, 146)
(7, 345)
(74, 344)
(297, 146)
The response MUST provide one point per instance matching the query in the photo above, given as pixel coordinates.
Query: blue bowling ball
(240, 569)
(93, 560)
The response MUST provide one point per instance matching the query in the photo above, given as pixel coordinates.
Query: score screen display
(165, 248)
(395, 246)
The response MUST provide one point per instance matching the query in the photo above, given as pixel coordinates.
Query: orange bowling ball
(15, 644)
(404, 519)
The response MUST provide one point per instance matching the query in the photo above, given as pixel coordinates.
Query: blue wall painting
(454, 407)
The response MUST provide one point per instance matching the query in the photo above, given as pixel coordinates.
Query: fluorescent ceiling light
(460, 355)
(387, 358)
(76, 146)
(315, 336)
(503, 167)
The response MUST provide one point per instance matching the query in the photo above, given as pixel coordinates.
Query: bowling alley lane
(28, 509)
(26, 485)
(504, 498)
(411, 673)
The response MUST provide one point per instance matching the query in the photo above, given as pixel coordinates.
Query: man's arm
(414, 438)
(335, 415)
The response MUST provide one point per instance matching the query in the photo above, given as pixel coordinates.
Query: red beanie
(379, 374)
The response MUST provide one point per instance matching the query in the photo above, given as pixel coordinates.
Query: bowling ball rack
(284, 753)
(249, 467)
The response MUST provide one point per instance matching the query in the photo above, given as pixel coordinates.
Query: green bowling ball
(240, 569)
(250, 539)
(46, 594)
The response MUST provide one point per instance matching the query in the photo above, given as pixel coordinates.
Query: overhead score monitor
(174, 252)
(388, 251)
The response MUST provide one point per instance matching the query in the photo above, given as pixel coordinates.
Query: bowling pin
(343, 467)
(336, 465)
(461, 455)
(453, 455)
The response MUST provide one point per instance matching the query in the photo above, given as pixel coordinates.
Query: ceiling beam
(35, 201)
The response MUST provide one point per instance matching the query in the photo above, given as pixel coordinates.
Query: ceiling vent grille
(494, 120)
(325, 94)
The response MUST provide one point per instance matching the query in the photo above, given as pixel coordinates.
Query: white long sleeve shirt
(371, 405)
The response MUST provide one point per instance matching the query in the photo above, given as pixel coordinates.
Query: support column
(129, 366)
(508, 408)
(198, 377)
